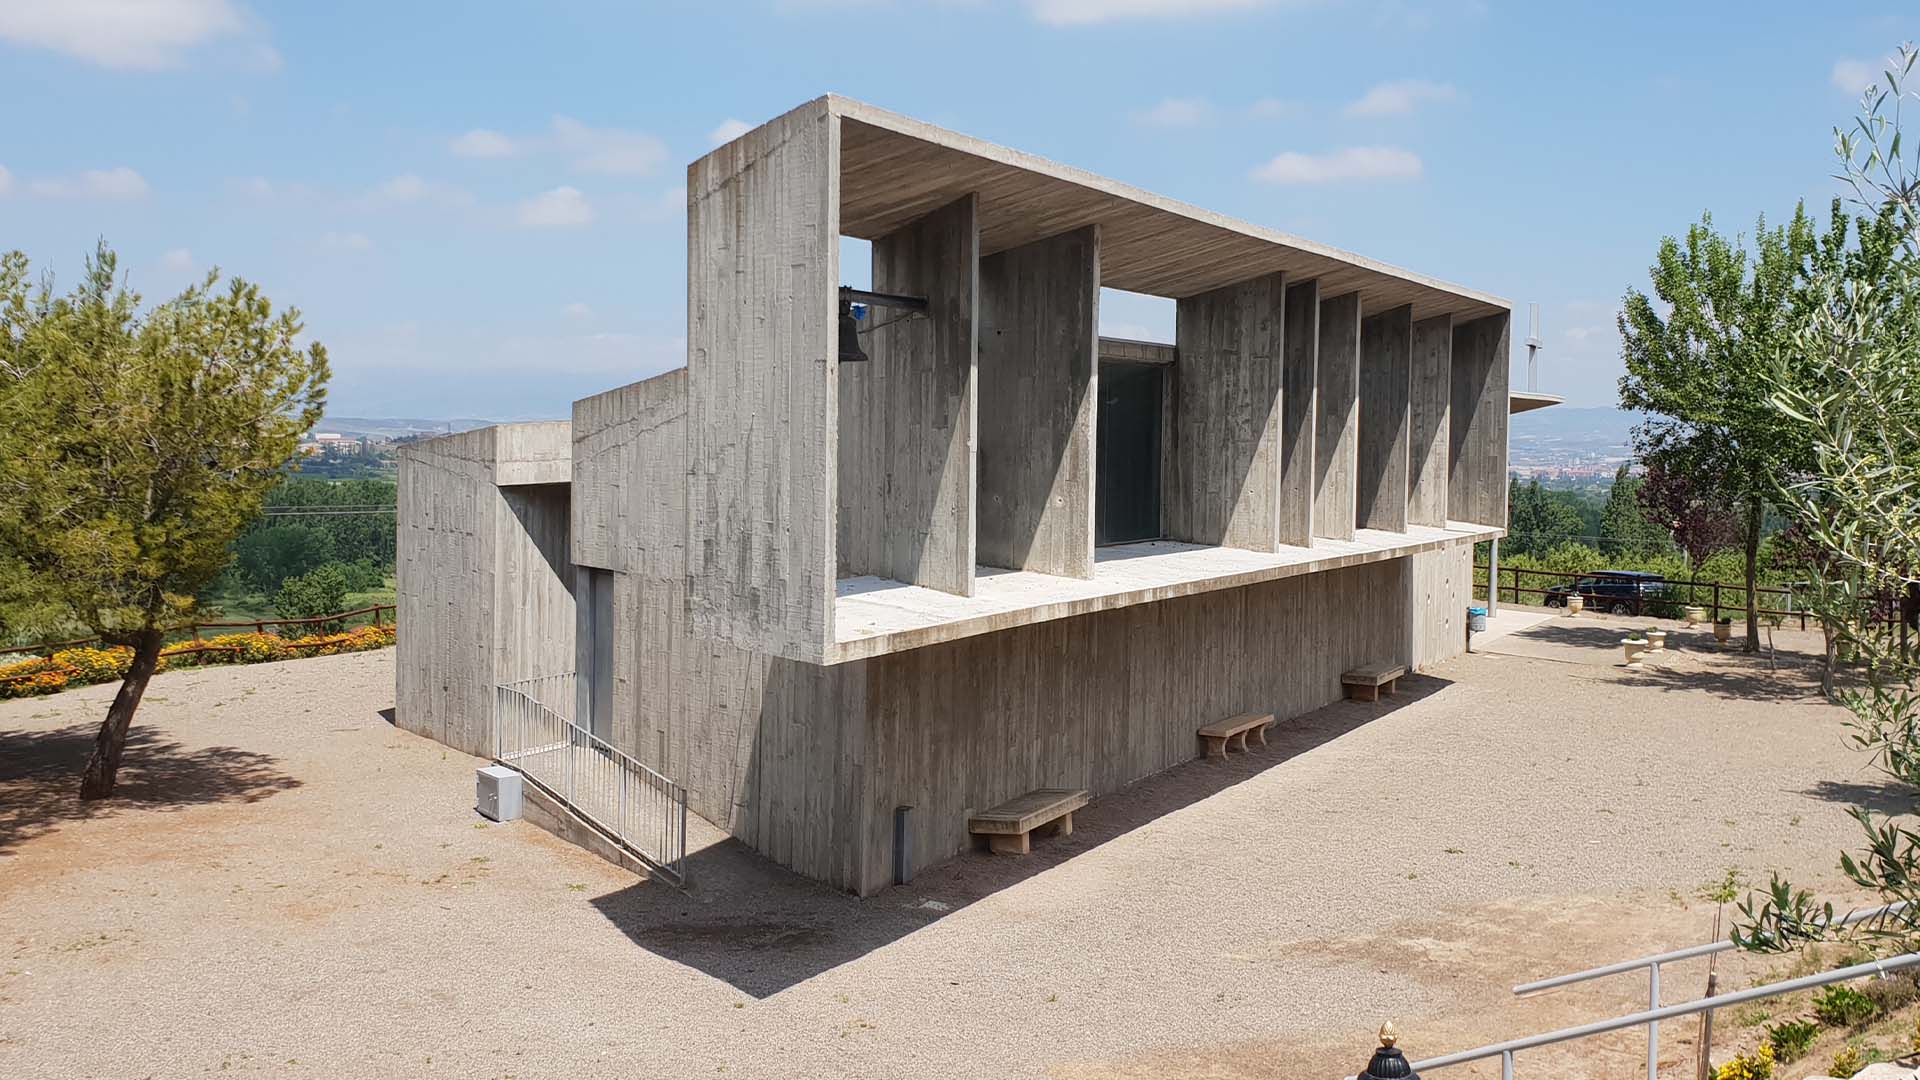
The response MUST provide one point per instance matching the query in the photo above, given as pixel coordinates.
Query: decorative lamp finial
(1388, 1034)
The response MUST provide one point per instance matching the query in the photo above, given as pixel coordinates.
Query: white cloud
(608, 150)
(1177, 113)
(1350, 163)
(347, 241)
(405, 188)
(410, 189)
(576, 310)
(562, 208)
(6, 180)
(1088, 12)
(178, 260)
(1400, 97)
(1275, 109)
(1855, 76)
(116, 183)
(147, 34)
(729, 130)
(483, 143)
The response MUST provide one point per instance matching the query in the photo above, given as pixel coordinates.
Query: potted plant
(1695, 614)
(1656, 639)
(1635, 646)
(1723, 628)
(1575, 602)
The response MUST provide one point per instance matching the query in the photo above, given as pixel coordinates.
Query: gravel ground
(292, 886)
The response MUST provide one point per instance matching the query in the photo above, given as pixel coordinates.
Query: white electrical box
(497, 793)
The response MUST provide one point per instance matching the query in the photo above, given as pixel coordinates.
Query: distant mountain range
(388, 427)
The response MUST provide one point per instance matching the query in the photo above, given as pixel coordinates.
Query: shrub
(1847, 1062)
(1791, 1040)
(91, 665)
(1892, 992)
(35, 675)
(1755, 1066)
(320, 591)
(1843, 1006)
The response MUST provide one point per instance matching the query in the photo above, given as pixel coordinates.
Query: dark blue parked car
(1620, 592)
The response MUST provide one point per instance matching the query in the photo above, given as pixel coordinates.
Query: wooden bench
(1007, 826)
(1365, 683)
(1233, 733)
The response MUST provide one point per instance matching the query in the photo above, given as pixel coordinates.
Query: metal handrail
(1505, 1050)
(1687, 953)
(640, 809)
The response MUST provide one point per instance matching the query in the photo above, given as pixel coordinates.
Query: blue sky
(480, 206)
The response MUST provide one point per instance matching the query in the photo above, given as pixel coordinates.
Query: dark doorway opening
(1127, 469)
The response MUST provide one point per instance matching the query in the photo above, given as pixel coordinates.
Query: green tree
(269, 555)
(1625, 528)
(134, 447)
(1537, 520)
(1852, 378)
(1699, 361)
(320, 591)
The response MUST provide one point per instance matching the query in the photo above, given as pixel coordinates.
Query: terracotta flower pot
(1722, 631)
(1635, 646)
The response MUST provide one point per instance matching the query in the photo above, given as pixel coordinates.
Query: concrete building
(1002, 554)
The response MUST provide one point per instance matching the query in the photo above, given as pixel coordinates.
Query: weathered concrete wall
(626, 505)
(1336, 441)
(1441, 584)
(1102, 700)
(1039, 344)
(907, 418)
(763, 276)
(1226, 453)
(484, 587)
(1386, 365)
(1432, 392)
(1477, 454)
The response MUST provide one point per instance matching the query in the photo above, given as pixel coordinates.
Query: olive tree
(1852, 379)
(135, 445)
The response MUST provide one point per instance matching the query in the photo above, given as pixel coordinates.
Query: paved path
(293, 887)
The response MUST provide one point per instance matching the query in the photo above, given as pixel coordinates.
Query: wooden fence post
(1716, 601)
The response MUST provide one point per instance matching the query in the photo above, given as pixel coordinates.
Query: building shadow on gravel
(40, 778)
(762, 928)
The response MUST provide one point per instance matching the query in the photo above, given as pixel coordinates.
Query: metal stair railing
(1655, 1012)
(642, 811)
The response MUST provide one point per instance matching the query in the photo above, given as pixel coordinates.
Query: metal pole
(1493, 577)
(1506, 1065)
(1704, 1066)
(1653, 1027)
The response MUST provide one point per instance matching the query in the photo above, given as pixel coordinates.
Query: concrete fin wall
(1226, 452)
(1441, 586)
(906, 441)
(1432, 393)
(1298, 396)
(630, 509)
(763, 275)
(1039, 344)
(1386, 367)
(484, 587)
(1477, 436)
(1336, 440)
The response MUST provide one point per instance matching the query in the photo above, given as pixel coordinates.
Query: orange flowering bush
(81, 666)
(36, 675)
